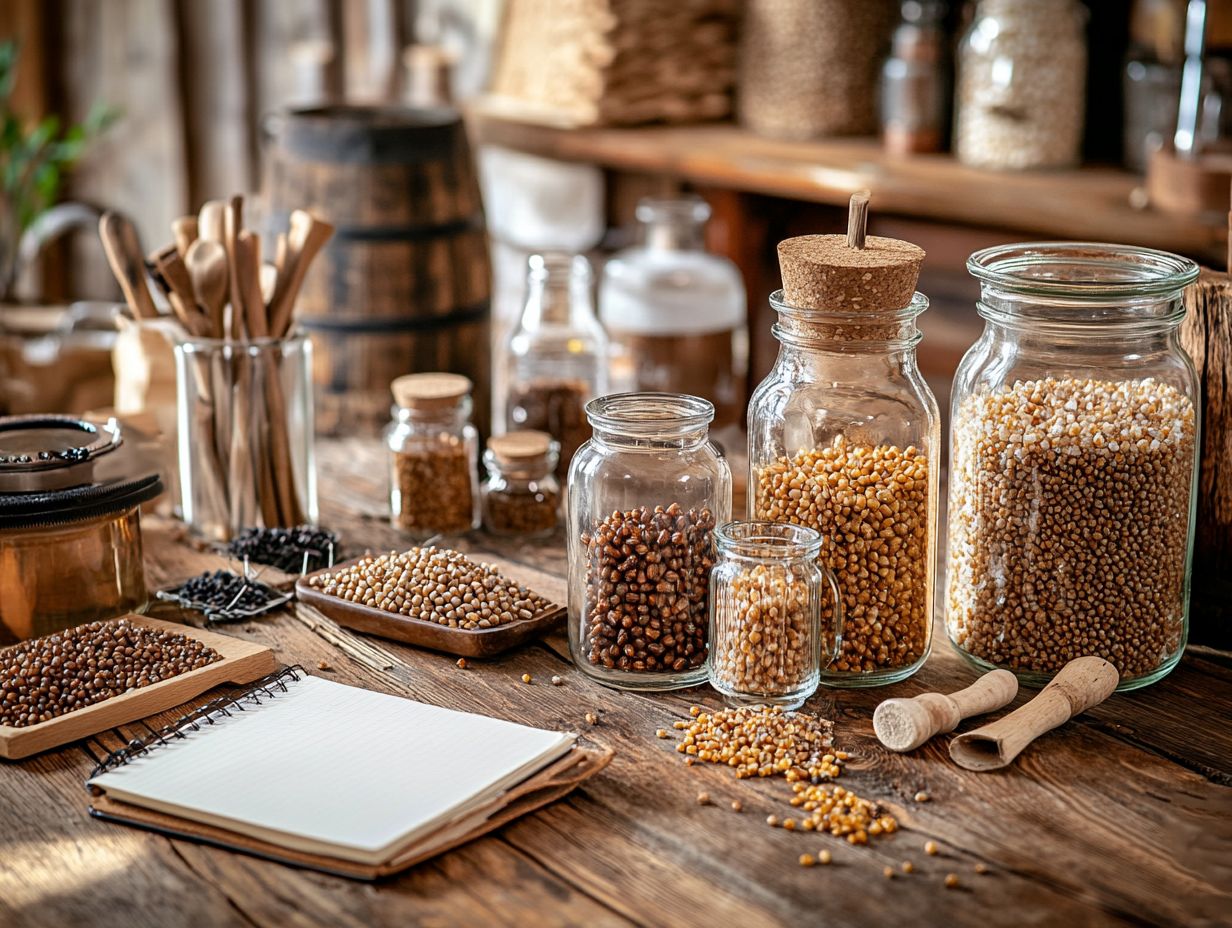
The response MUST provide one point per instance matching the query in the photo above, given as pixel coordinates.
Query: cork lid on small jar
(518, 447)
(430, 391)
(851, 272)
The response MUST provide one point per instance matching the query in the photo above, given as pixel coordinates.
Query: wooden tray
(482, 642)
(242, 662)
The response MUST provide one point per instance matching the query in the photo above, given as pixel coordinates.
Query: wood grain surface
(1122, 817)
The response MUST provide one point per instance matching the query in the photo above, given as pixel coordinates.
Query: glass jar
(676, 314)
(1022, 70)
(914, 81)
(844, 438)
(645, 494)
(433, 456)
(766, 634)
(557, 355)
(521, 496)
(1072, 463)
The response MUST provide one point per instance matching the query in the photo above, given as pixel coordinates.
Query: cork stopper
(852, 271)
(519, 447)
(430, 391)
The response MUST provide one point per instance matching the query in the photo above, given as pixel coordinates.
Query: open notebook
(332, 772)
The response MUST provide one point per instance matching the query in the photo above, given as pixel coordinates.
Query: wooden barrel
(404, 286)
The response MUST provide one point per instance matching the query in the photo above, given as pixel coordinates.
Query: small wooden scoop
(1081, 684)
(905, 724)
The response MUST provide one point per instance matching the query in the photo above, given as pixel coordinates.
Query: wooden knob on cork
(1081, 684)
(905, 724)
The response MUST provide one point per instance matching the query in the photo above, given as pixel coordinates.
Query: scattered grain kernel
(807, 860)
(887, 872)
(592, 719)
(737, 805)
(558, 680)
(772, 821)
(825, 857)
(922, 796)
(762, 741)
(526, 678)
(323, 665)
(931, 849)
(908, 867)
(789, 824)
(703, 799)
(981, 868)
(951, 881)
(462, 664)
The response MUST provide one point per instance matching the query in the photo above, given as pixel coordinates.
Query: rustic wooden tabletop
(1124, 817)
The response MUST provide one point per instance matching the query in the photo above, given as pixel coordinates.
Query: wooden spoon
(248, 273)
(307, 236)
(233, 224)
(123, 248)
(185, 231)
(207, 267)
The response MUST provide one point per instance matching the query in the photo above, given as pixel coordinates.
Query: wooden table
(1124, 817)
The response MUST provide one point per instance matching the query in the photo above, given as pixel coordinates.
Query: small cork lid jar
(430, 392)
(524, 452)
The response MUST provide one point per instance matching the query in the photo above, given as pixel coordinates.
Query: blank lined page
(334, 769)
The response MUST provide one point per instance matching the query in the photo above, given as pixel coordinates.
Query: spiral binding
(267, 687)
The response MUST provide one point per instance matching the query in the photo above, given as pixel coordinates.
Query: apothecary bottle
(521, 495)
(767, 639)
(915, 86)
(645, 494)
(556, 358)
(1021, 96)
(675, 313)
(433, 456)
(844, 437)
(1073, 463)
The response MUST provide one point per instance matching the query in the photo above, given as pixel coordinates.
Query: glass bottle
(433, 456)
(844, 437)
(521, 496)
(1073, 463)
(557, 355)
(914, 81)
(677, 313)
(1022, 70)
(766, 635)
(645, 494)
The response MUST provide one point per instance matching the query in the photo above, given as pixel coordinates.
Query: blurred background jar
(521, 496)
(675, 313)
(556, 358)
(915, 84)
(645, 494)
(1022, 85)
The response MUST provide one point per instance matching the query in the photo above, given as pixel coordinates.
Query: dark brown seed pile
(526, 513)
(434, 585)
(647, 589)
(44, 678)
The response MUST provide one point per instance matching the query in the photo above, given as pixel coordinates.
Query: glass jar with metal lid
(1073, 463)
(521, 496)
(645, 494)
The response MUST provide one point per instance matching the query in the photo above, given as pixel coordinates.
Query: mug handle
(828, 574)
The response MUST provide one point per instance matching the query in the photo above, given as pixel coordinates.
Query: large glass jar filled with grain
(645, 494)
(1073, 464)
(844, 438)
(556, 358)
(433, 456)
(521, 496)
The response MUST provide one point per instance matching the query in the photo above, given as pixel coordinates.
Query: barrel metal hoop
(477, 312)
(414, 232)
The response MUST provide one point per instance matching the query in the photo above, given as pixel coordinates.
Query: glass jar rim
(202, 343)
(848, 315)
(687, 207)
(1130, 272)
(753, 538)
(649, 415)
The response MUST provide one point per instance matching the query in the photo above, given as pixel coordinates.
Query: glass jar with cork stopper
(844, 437)
(433, 456)
(521, 497)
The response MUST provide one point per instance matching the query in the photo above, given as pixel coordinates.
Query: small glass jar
(433, 456)
(521, 497)
(915, 82)
(1073, 463)
(557, 355)
(844, 437)
(766, 634)
(1022, 70)
(677, 313)
(645, 494)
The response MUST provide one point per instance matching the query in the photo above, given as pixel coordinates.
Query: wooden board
(481, 642)
(242, 662)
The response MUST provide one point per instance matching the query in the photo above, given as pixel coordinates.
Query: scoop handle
(905, 724)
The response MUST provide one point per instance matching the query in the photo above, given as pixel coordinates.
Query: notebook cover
(548, 785)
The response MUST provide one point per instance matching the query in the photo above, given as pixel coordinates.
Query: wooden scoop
(1081, 684)
(123, 248)
(905, 724)
(307, 236)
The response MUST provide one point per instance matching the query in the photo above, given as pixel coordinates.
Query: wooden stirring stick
(123, 248)
(905, 724)
(1082, 683)
(233, 224)
(180, 293)
(248, 273)
(308, 236)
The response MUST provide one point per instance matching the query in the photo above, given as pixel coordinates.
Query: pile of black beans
(222, 594)
(285, 548)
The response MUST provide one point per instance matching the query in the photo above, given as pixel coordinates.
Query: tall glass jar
(645, 494)
(844, 437)
(557, 355)
(676, 314)
(433, 451)
(1022, 69)
(767, 641)
(1072, 463)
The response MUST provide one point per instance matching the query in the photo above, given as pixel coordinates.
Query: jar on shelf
(433, 456)
(645, 494)
(767, 640)
(1073, 463)
(915, 87)
(676, 314)
(556, 358)
(1022, 85)
(844, 438)
(521, 496)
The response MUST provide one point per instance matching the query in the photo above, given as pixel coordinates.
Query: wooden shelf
(1088, 203)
